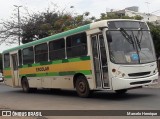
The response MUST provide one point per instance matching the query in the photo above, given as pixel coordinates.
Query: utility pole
(19, 26)
(148, 9)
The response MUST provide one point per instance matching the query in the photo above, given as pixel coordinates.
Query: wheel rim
(82, 87)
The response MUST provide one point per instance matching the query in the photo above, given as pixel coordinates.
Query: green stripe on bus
(85, 72)
(57, 62)
(23, 66)
(53, 74)
(7, 76)
(79, 59)
(7, 68)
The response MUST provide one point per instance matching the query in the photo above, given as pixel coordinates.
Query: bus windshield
(130, 47)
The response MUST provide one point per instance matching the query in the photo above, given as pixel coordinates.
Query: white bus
(105, 55)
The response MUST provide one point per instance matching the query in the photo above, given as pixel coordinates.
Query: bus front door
(14, 69)
(100, 61)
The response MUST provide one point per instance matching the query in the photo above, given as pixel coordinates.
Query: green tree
(41, 24)
(114, 15)
(38, 25)
(138, 17)
(155, 31)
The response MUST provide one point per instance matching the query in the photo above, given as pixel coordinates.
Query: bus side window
(6, 60)
(41, 52)
(20, 57)
(77, 45)
(28, 55)
(57, 49)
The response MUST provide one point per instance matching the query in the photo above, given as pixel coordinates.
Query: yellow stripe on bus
(63, 67)
(7, 72)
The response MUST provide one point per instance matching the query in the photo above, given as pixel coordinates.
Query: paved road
(144, 99)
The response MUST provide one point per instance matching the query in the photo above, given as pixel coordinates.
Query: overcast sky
(95, 7)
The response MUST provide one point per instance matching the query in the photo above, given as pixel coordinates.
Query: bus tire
(123, 91)
(25, 86)
(82, 87)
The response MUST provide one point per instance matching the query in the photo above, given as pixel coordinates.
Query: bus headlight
(155, 71)
(118, 73)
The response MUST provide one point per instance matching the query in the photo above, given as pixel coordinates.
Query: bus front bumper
(121, 83)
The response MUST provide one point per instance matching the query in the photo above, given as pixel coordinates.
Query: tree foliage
(9, 32)
(155, 31)
(113, 15)
(48, 23)
(41, 24)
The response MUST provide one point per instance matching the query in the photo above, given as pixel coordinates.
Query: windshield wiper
(139, 40)
(127, 36)
(140, 29)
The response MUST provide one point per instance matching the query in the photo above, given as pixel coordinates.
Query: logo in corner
(6, 113)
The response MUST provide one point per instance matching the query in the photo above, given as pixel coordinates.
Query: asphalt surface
(137, 99)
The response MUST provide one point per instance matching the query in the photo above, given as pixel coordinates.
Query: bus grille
(140, 82)
(139, 74)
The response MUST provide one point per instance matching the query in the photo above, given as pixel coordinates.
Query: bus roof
(66, 33)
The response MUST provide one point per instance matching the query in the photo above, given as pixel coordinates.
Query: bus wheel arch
(25, 85)
(81, 84)
(22, 78)
(75, 78)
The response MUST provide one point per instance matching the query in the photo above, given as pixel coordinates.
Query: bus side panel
(8, 77)
(8, 81)
(63, 82)
(35, 82)
(46, 82)
(58, 73)
(91, 82)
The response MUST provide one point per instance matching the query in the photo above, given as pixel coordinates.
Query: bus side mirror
(109, 38)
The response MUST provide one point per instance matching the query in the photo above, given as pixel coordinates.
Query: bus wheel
(123, 91)
(25, 85)
(82, 87)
